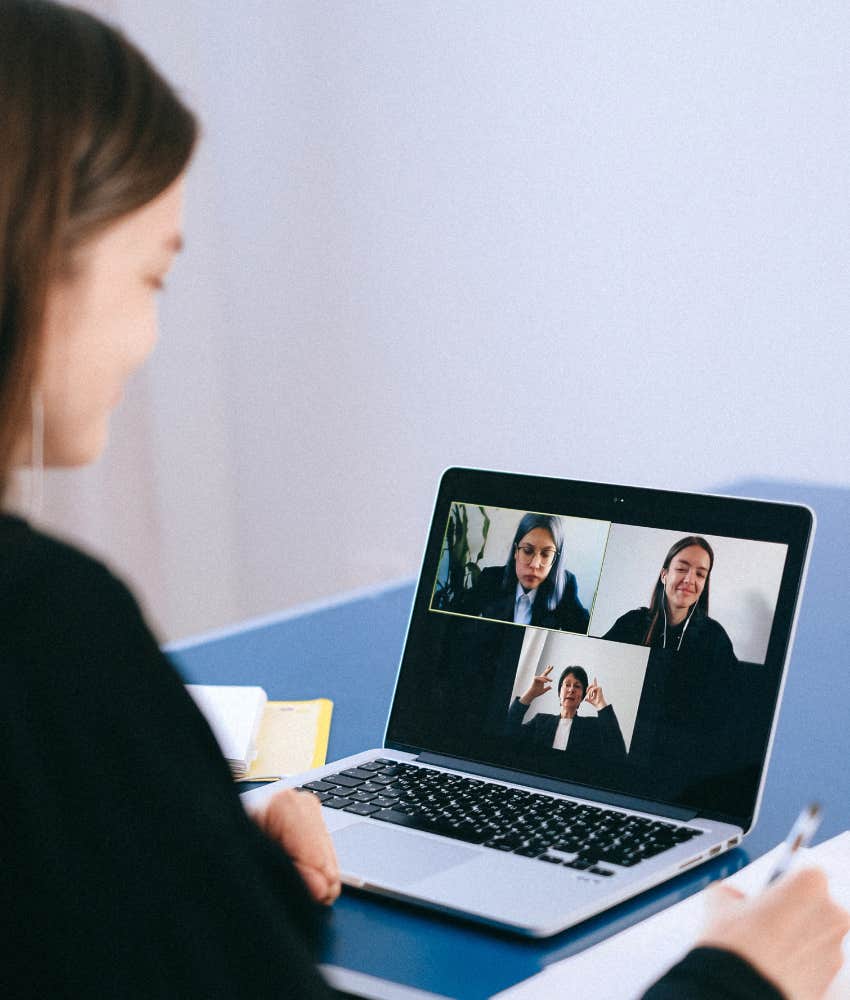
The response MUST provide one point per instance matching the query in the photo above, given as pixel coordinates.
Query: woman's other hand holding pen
(791, 933)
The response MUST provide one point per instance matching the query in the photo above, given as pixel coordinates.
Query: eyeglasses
(528, 553)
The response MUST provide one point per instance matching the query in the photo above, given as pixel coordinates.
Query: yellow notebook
(293, 737)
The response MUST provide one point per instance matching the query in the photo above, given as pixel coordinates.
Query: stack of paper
(293, 738)
(234, 715)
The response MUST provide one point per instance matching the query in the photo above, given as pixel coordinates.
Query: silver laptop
(585, 703)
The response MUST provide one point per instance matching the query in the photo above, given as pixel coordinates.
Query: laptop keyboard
(515, 820)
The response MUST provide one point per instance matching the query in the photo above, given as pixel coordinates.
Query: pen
(804, 828)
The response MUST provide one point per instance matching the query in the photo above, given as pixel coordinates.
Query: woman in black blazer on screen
(534, 587)
(587, 738)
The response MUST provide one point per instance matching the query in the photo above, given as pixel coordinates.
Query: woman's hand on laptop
(294, 820)
(791, 933)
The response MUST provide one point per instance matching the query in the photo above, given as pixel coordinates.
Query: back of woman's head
(89, 132)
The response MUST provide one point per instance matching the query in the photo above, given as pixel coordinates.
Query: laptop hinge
(562, 787)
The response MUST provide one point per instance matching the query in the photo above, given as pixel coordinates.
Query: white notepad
(234, 714)
(623, 966)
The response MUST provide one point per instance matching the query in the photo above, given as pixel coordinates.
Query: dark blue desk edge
(297, 611)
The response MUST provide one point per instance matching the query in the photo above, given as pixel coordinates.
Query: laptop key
(337, 802)
(361, 809)
(318, 786)
(321, 796)
(530, 851)
(568, 846)
(385, 801)
(397, 817)
(346, 781)
(361, 796)
(357, 772)
(370, 786)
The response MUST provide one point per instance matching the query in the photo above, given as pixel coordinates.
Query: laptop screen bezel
(709, 514)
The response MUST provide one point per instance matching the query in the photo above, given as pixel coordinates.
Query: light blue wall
(601, 240)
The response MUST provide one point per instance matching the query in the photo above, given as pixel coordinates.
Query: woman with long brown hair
(122, 876)
(677, 618)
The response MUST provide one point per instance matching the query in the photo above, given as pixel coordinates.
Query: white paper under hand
(648, 949)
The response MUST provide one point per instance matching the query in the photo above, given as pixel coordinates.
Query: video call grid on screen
(461, 672)
(615, 566)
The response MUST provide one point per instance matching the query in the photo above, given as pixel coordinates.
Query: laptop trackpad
(395, 857)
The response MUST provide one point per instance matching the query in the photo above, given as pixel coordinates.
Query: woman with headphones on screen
(677, 617)
(121, 878)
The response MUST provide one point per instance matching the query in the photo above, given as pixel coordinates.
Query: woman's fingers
(294, 820)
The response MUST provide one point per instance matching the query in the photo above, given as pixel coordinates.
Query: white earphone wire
(36, 474)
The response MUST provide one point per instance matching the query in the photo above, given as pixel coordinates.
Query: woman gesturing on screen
(588, 738)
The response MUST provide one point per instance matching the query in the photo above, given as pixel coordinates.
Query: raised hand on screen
(540, 685)
(594, 695)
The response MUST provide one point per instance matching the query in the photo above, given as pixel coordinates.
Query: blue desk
(350, 651)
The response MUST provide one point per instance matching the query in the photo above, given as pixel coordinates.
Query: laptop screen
(622, 639)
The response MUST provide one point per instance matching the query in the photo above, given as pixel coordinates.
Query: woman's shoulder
(637, 616)
(73, 635)
(52, 592)
(630, 627)
(33, 562)
(490, 581)
(710, 629)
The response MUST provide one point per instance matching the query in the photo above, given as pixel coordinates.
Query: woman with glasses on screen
(130, 868)
(534, 587)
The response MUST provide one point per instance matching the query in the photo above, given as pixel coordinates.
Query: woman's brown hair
(89, 132)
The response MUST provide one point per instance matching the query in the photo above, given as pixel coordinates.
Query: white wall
(608, 241)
